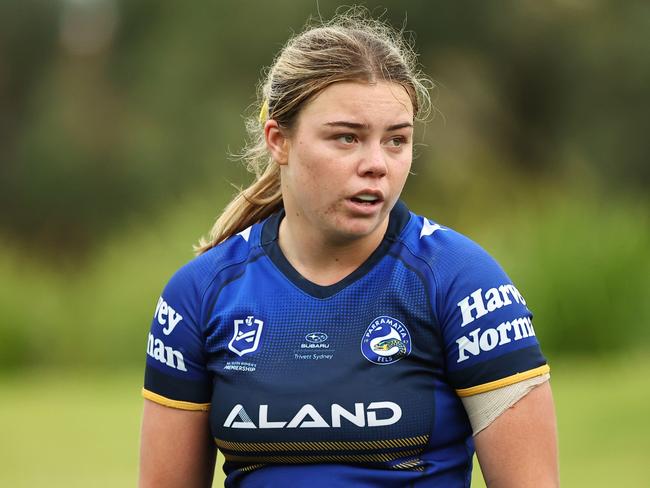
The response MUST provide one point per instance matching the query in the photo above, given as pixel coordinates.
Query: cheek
(405, 165)
(316, 172)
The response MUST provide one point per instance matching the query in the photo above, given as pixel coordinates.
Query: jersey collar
(399, 217)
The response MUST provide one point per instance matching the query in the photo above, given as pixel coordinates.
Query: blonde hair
(350, 47)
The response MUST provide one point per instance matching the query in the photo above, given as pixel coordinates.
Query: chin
(357, 230)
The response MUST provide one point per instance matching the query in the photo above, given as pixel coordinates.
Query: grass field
(80, 429)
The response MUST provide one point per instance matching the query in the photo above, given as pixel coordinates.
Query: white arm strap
(483, 408)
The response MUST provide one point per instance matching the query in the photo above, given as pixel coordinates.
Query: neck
(325, 261)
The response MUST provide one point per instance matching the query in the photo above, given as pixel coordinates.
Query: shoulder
(194, 277)
(485, 323)
(462, 273)
(447, 252)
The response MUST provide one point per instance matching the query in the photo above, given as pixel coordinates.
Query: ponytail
(262, 198)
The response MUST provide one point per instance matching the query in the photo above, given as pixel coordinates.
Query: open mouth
(366, 199)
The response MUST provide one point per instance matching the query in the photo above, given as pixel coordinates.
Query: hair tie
(264, 111)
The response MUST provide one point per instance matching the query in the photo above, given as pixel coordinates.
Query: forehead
(381, 103)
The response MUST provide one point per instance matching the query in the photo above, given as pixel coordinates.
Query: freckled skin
(321, 172)
(343, 165)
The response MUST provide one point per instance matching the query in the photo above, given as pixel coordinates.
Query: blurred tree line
(113, 112)
(109, 106)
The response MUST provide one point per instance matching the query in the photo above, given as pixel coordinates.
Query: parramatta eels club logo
(386, 341)
(246, 336)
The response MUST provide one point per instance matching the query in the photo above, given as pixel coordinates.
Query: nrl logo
(246, 336)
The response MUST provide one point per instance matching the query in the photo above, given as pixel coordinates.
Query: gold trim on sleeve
(167, 402)
(509, 380)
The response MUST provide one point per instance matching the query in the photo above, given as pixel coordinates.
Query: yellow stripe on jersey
(419, 441)
(252, 467)
(168, 402)
(509, 380)
(410, 464)
(336, 458)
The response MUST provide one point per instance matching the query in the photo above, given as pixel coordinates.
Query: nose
(373, 161)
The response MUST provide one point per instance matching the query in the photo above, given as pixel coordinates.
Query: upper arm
(519, 449)
(485, 323)
(176, 448)
(491, 347)
(176, 372)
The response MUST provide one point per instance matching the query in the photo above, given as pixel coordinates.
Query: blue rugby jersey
(355, 384)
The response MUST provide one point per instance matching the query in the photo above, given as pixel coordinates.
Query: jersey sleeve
(487, 328)
(176, 374)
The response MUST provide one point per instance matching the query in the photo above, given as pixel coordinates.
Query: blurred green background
(116, 121)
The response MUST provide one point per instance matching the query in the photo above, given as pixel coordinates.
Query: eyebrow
(357, 125)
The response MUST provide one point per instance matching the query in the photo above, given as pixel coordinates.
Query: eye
(397, 141)
(346, 138)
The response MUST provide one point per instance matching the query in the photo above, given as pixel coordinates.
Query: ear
(276, 142)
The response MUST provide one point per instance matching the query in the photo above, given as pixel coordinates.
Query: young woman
(327, 336)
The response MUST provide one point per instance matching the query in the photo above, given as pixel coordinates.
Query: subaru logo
(316, 337)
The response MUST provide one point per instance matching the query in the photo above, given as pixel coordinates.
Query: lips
(368, 197)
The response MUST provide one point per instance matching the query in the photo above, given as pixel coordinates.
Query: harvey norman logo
(479, 304)
(165, 354)
(376, 414)
(167, 316)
